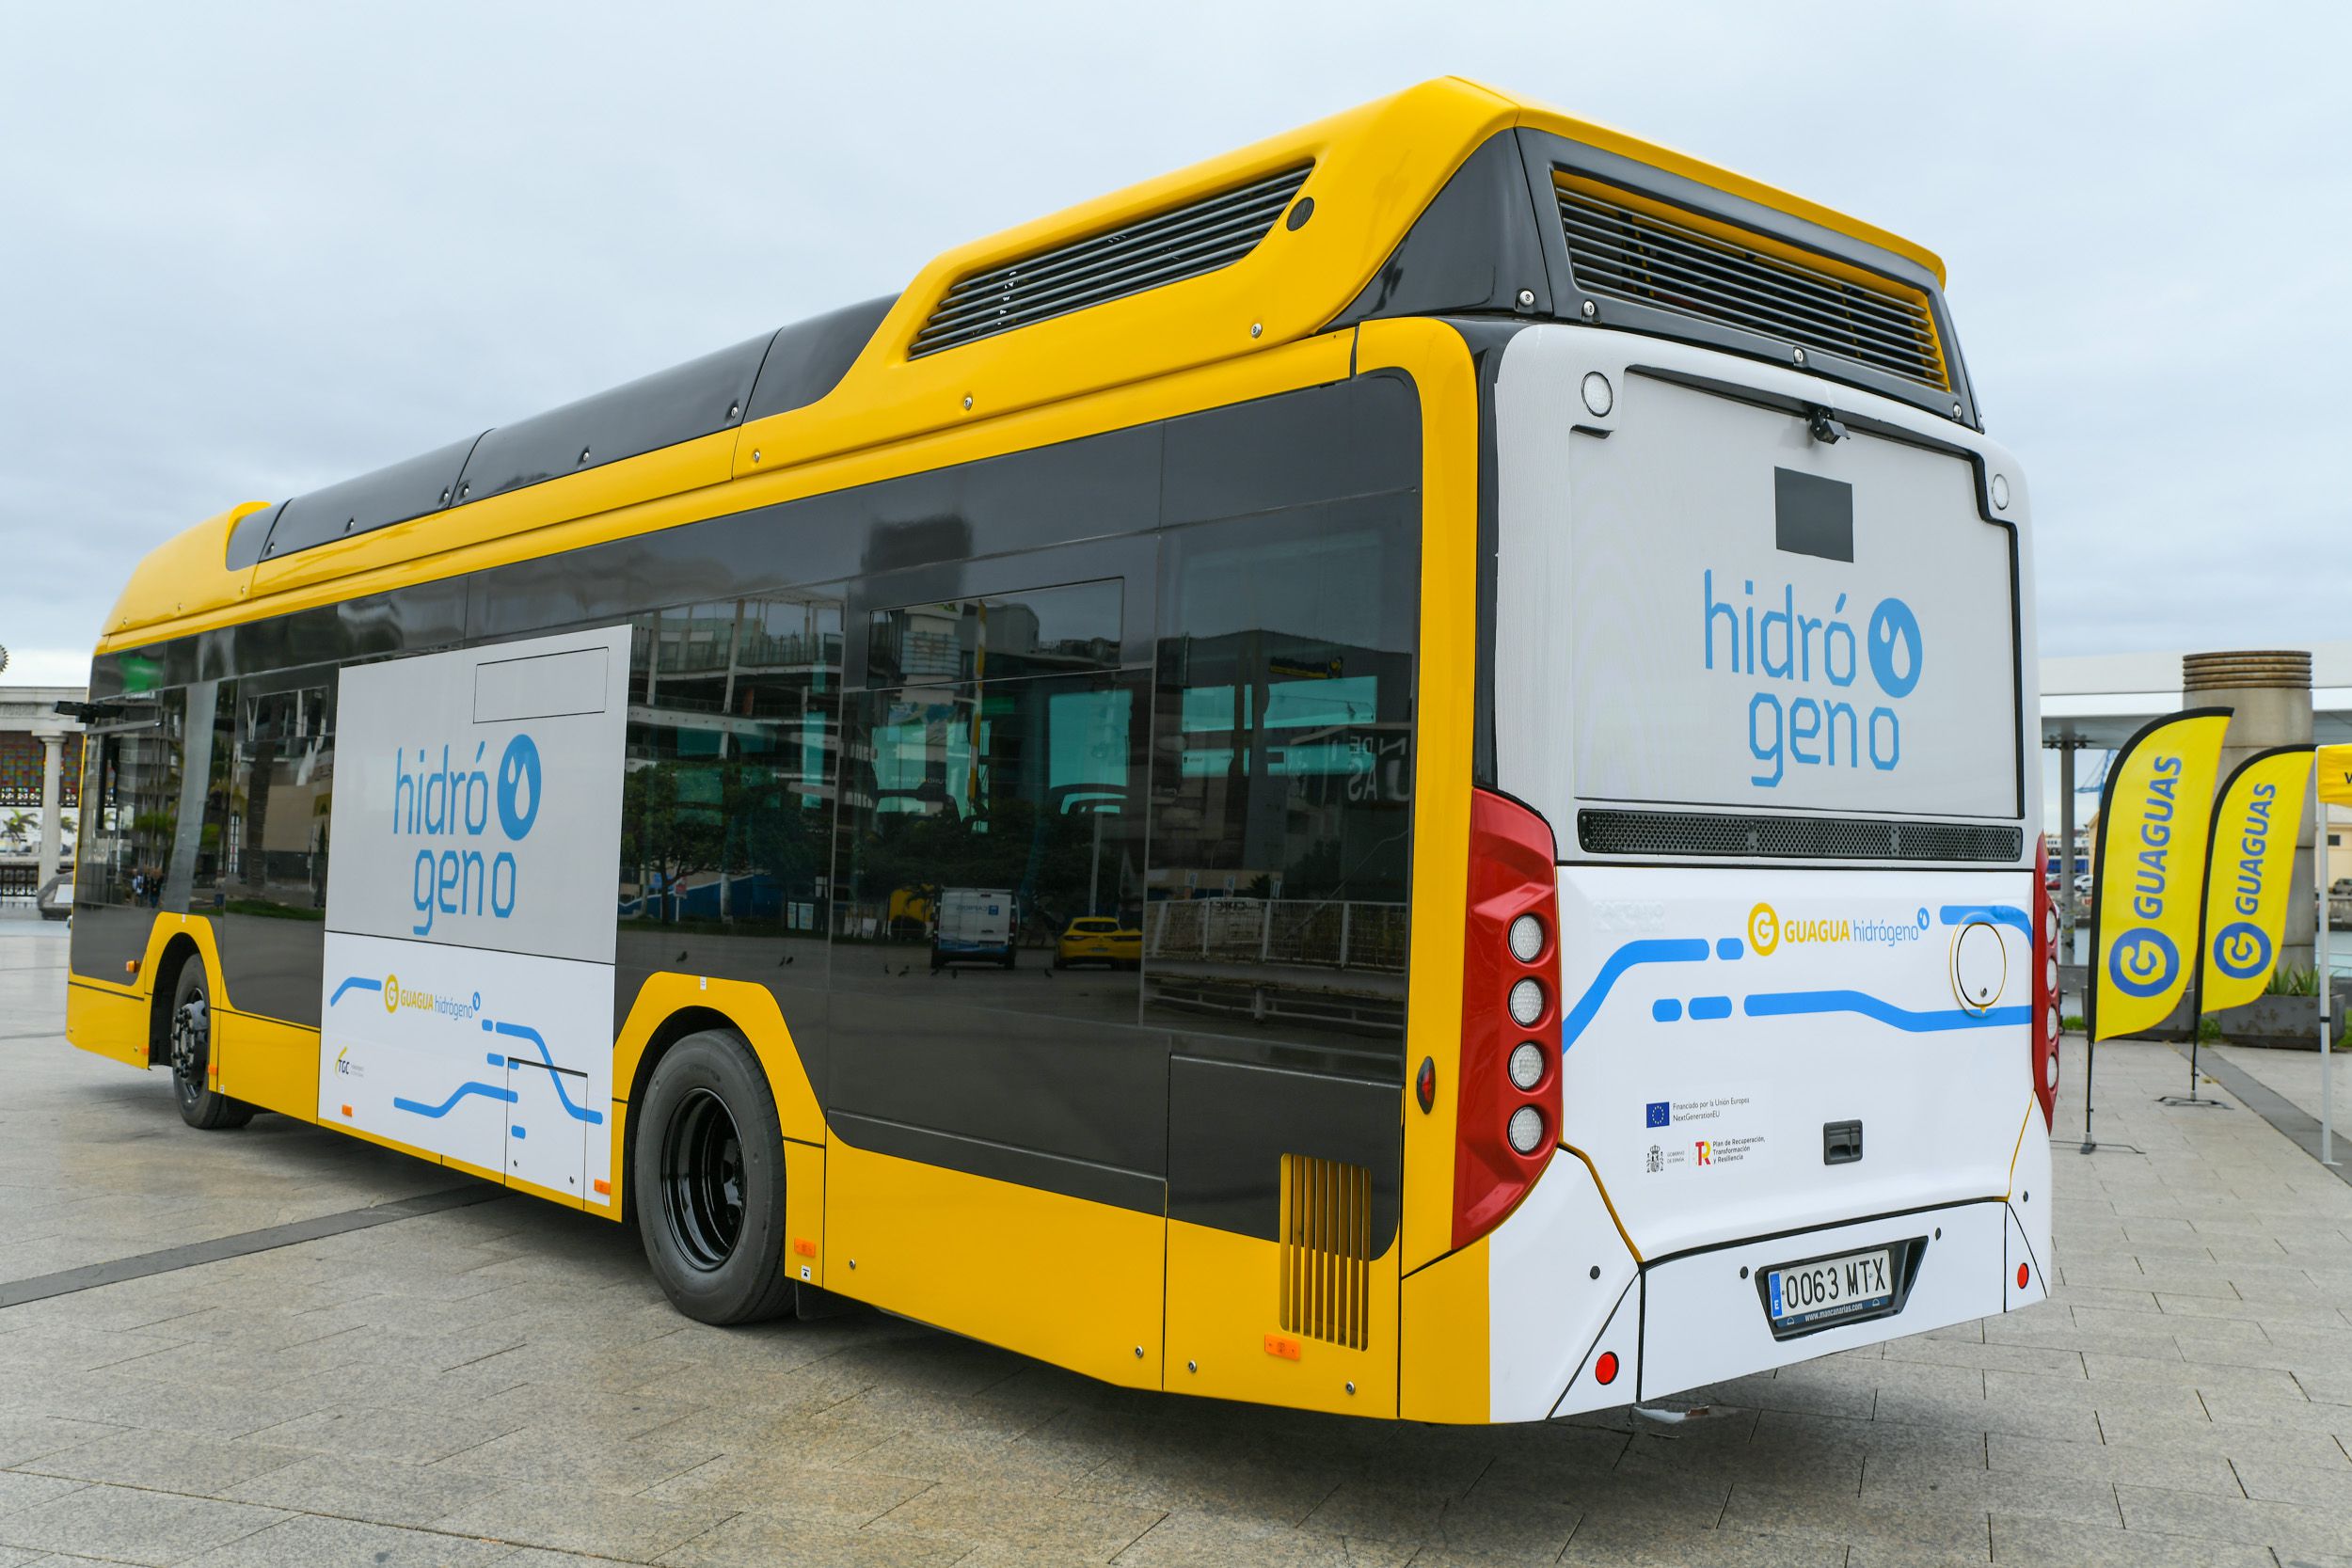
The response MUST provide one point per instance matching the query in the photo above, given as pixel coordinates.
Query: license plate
(1828, 1289)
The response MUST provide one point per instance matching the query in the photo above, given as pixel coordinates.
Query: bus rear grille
(1199, 237)
(1644, 259)
(1831, 839)
(1327, 1249)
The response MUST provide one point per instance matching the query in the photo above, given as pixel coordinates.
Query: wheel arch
(668, 1008)
(177, 951)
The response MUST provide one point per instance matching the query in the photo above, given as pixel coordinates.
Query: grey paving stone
(574, 1519)
(758, 1539)
(21, 1490)
(2187, 1469)
(165, 1461)
(306, 1540)
(26, 1436)
(2284, 1527)
(378, 1491)
(1034, 1520)
(2058, 1543)
(132, 1526)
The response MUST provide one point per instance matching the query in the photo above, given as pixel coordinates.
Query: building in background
(41, 777)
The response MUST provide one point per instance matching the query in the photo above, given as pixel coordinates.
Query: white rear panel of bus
(1711, 621)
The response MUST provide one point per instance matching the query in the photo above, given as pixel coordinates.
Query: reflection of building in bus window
(1280, 773)
(727, 790)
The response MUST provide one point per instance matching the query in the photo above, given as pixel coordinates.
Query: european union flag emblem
(1658, 1114)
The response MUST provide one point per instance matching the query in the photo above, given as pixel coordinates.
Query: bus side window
(265, 839)
(727, 797)
(1280, 776)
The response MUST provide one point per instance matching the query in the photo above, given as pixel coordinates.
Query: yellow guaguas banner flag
(2335, 775)
(2255, 824)
(2149, 875)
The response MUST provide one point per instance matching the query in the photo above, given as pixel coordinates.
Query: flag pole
(2319, 967)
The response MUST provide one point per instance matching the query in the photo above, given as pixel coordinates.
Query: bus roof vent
(1763, 287)
(1184, 242)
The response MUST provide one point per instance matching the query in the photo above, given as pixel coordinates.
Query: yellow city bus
(1462, 593)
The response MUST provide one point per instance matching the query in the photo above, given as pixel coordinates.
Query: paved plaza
(498, 1382)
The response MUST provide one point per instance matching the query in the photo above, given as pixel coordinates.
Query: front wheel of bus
(706, 1162)
(190, 1036)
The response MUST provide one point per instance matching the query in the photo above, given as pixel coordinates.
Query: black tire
(188, 1041)
(707, 1181)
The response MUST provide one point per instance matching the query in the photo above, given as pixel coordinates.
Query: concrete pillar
(2271, 692)
(52, 822)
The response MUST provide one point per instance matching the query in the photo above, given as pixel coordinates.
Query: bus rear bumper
(1689, 1322)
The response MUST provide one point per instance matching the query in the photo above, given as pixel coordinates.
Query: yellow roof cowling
(183, 577)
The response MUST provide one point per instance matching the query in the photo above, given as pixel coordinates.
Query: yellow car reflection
(1099, 940)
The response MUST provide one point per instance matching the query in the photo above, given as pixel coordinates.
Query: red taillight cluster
(2045, 991)
(1508, 1117)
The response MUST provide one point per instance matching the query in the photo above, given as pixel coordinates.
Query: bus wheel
(707, 1164)
(191, 1041)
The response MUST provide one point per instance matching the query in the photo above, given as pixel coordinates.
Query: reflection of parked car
(1099, 940)
(56, 897)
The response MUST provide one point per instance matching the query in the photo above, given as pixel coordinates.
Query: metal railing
(1315, 932)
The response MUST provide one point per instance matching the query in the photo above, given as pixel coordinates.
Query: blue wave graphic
(1992, 914)
(1795, 1002)
(1650, 950)
(520, 1032)
(437, 1112)
(353, 982)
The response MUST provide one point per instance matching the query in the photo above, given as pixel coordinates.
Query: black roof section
(788, 369)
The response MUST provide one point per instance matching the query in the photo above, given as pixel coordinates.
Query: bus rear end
(1761, 836)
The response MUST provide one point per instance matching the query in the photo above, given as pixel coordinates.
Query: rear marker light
(1526, 939)
(2022, 1275)
(1527, 1003)
(1605, 1370)
(1526, 1130)
(1527, 1065)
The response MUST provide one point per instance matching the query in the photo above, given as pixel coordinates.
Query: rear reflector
(1605, 1368)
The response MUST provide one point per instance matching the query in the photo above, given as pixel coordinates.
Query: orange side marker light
(803, 1247)
(1282, 1345)
(346, 1110)
(602, 1186)
(130, 966)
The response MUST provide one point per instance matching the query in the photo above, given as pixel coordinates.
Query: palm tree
(15, 826)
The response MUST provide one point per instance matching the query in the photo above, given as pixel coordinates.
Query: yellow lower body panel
(107, 1022)
(804, 1213)
(1224, 1318)
(268, 1063)
(1055, 1277)
(1444, 1352)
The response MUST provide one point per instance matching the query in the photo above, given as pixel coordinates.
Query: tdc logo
(518, 785)
(2241, 951)
(2143, 962)
(1894, 647)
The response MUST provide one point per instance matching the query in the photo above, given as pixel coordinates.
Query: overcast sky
(247, 250)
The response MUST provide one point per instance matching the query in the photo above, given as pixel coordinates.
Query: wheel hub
(703, 1180)
(191, 1041)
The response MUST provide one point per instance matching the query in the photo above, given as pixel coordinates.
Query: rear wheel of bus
(707, 1164)
(189, 1038)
